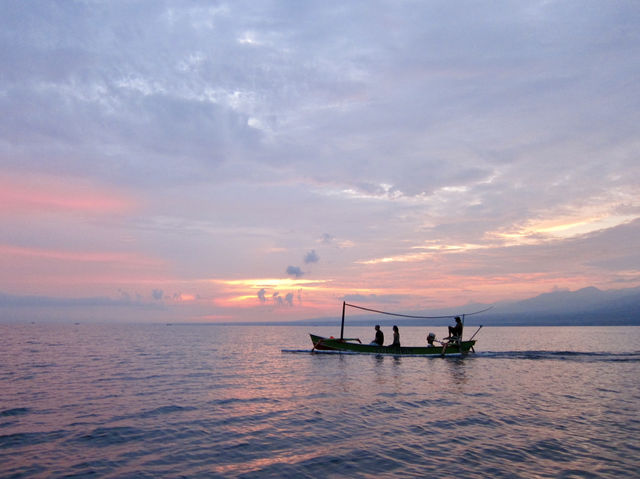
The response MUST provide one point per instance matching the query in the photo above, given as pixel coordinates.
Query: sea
(220, 401)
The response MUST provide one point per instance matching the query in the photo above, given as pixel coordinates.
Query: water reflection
(110, 399)
(458, 369)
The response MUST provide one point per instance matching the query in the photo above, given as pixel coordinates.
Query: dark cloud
(289, 299)
(326, 238)
(261, 295)
(277, 299)
(311, 257)
(124, 295)
(295, 271)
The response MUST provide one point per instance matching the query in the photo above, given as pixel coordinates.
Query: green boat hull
(348, 346)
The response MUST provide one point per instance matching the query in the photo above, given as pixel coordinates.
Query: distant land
(585, 307)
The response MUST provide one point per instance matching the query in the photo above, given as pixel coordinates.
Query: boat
(452, 348)
(447, 347)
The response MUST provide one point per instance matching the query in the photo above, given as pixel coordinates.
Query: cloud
(34, 301)
(46, 193)
(261, 295)
(436, 159)
(199, 106)
(124, 295)
(311, 257)
(326, 238)
(157, 294)
(289, 299)
(295, 271)
(373, 298)
(277, 299)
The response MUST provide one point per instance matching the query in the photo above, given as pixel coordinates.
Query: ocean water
(171, 401)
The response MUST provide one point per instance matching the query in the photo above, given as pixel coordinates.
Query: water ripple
(197, 401)
(18, 411)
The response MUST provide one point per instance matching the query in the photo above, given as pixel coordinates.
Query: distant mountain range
(588, 307)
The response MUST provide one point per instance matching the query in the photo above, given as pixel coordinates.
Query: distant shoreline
(319, 324)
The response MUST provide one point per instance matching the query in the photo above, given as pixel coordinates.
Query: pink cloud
(22, 195)
(82, 256)
(55, 272)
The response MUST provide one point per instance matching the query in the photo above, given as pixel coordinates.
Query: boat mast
(344, 303)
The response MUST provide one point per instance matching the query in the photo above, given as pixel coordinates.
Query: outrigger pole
(344, 303)
(461, 333)
(474, 335)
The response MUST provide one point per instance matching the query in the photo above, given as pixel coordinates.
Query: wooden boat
(352, 346)
(449, 347)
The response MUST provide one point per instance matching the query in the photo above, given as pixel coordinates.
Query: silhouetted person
(396, 338)
(430, 339)
(456, 331)
(379, 339)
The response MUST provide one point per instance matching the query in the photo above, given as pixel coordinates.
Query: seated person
(430, 339)
(456, 331)
(396, 338)
(379, 339)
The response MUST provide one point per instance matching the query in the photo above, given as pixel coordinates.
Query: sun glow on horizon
(259, 283)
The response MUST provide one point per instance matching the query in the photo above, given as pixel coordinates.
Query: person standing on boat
(456, 331)
(379, 339)
(396, 338)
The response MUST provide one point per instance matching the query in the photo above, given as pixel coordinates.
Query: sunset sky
(265, 160)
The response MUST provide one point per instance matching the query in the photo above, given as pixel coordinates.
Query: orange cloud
(186, 297)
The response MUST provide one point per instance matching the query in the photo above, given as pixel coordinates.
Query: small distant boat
(448, 347)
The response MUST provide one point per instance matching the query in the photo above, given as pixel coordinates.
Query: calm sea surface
(225, 401)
